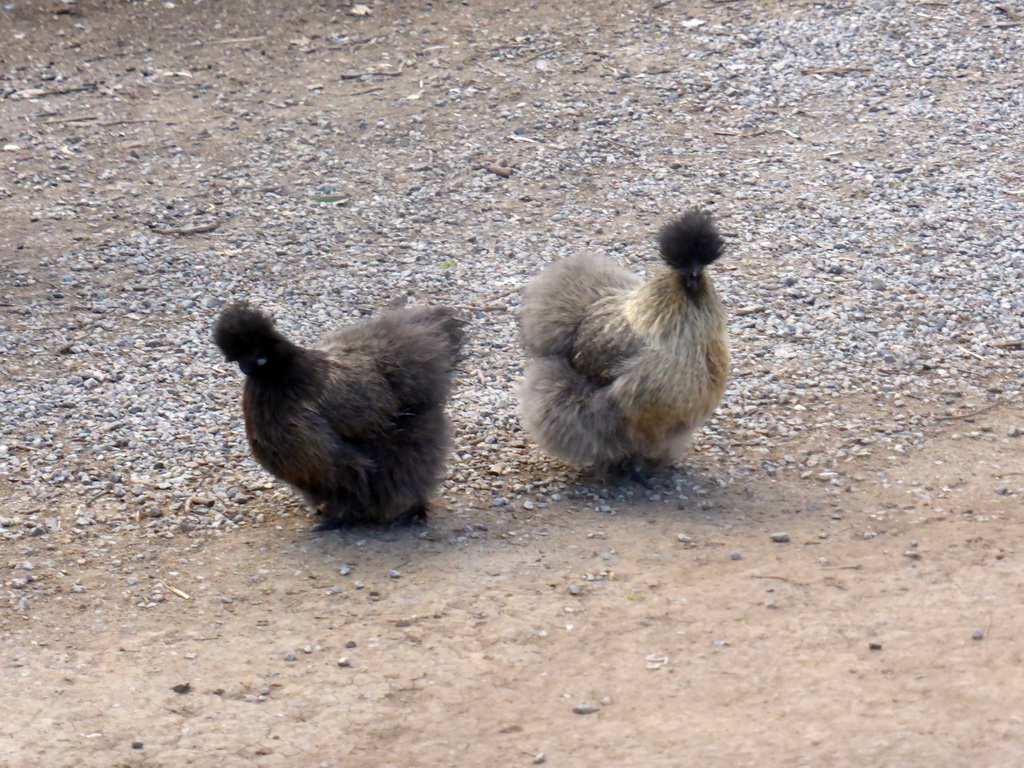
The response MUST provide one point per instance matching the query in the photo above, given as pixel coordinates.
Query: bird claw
(414, 514)
(637, 476)
(332, 524)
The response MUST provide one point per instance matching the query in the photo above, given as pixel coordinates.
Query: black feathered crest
(242, 330)
(690, 242)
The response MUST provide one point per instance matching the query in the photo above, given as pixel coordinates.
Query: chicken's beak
(691, 281)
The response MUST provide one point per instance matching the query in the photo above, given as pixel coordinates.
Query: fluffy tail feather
(690, 242)
(443, 321)
(569, 416)
(557, 300)
(454, 329)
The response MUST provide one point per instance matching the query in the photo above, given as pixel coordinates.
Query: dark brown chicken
(622, 372)
(356, 423)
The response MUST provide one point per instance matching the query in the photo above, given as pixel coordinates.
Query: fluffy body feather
(622, 371)
(356, 423)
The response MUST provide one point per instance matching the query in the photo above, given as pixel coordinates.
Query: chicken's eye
(261, 360)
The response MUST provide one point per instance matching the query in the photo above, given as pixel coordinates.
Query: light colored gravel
(864, 160)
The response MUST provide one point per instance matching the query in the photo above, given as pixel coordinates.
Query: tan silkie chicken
(356, 422)
(621, 373)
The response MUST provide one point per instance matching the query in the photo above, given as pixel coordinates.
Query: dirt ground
(881, 630)
(851, 644)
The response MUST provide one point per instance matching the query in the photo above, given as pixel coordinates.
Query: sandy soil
(882, 634)
(882, 631)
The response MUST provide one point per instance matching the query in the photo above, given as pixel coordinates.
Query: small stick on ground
(498, 170)
(229, 40)
(130, 122)
(753, 309)
(969, 352)
(198, 230)
(509, 292)
(617, 143)
(360, 93)
(65, 91)
(988, 407)
(79, 119)
(775, 578)
(539, 55)
(834, 70)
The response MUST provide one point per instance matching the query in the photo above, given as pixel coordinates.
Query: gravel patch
(863, 160)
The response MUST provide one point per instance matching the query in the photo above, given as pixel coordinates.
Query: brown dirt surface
(882, 629)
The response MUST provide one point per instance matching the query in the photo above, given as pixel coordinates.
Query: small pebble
(585, 709)
(780, 538)
(978, 634)
(137, 745)
(182, 688)
(736, 555)
(344, 661)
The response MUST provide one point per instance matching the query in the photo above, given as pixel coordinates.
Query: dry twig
(229, 40)
(79, 119)
(988, 407)
(834, 70)
(197, 230)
